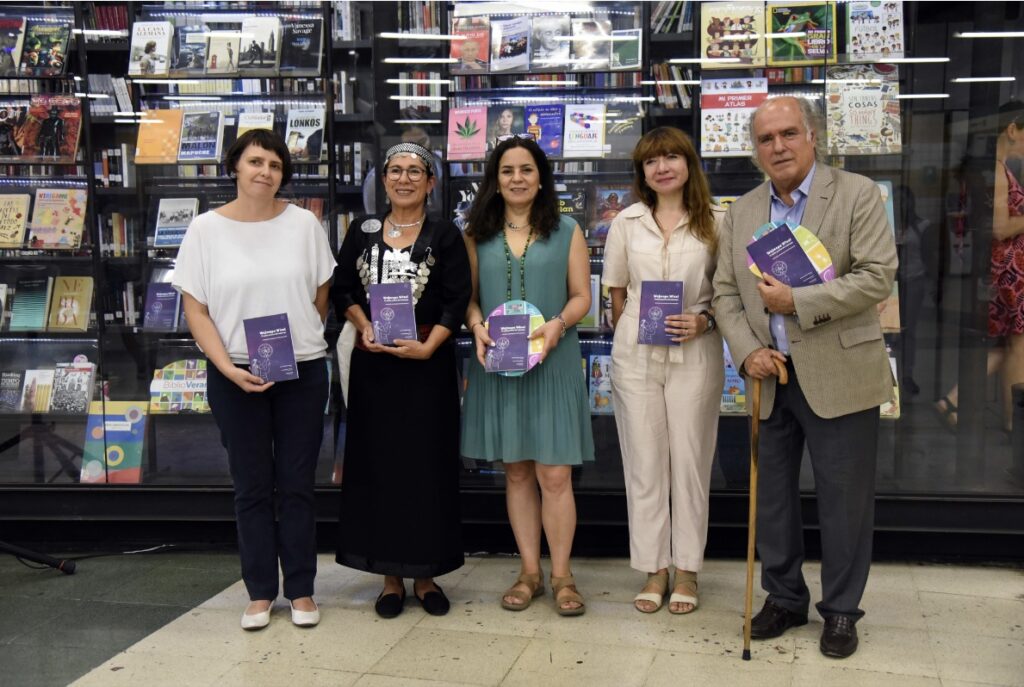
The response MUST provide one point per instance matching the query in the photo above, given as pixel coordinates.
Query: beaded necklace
(522, 267)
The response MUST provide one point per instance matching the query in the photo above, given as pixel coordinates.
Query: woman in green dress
(538, 425)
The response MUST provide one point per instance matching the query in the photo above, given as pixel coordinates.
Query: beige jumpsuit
(666, 398)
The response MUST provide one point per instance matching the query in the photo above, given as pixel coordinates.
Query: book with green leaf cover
(467, 133)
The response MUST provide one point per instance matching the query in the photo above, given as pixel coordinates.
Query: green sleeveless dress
(545, 414)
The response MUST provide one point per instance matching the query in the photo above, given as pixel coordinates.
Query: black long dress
(399, 510)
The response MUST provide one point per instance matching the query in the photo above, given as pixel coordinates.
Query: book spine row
(344, 92)
(422, 97)
(675, 16)
(346, 21)
(419, 17)
(117, 235)
(113, 167)
(783, 75)
(33, 86)
(353, 162)
(107, 16)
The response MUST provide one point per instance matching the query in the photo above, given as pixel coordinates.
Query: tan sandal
(533, 581)
(688, 582)
(567, 582)
(656, 597)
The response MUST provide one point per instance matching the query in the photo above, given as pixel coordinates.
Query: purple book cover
(779, 254)
(393, 313)
(269, 340)
(658, 300)
(511, 336)
(162, 303)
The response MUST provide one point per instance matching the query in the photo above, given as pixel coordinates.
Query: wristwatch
(711, 325)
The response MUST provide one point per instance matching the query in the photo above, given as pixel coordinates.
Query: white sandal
(687, 580)
(656, 598)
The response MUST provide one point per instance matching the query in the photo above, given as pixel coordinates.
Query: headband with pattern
(413, 149)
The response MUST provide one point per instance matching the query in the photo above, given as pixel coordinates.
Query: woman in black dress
(399, 498)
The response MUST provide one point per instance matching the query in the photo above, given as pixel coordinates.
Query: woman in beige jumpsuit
(666, 397)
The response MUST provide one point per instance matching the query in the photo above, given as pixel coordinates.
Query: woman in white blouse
(258, 256)
(666, 397)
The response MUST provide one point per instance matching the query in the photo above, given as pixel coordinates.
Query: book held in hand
(392, 312)
(658, 300)
(511, 349)
(269, 340)
(779, 253)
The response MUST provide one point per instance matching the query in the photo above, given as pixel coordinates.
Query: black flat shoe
(773, 620)
(434, 602)
(839, 638)
(390, 605)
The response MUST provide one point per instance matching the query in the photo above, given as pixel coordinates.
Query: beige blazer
(835, 338)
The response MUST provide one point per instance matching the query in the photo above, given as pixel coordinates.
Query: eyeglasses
(526, 136)
(414, 173)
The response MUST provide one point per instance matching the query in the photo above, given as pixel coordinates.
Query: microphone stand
(64, 565)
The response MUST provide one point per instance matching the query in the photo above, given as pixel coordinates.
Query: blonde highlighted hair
(668, 140)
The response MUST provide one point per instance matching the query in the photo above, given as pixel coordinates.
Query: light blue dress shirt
(794, 214)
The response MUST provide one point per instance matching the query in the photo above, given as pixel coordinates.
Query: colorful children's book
(159, 134)
(467, 133)
(583, 131)
(734, 392)
(599, 377)
(874, 30)
(474, 50)
(58, 218)
(610, 201)
(70, 304)
(731, 35)
(13, 218)
(114, 439)
(150, 52)
(172, 219)
(546, 122)
(801, 33)
(269, 341)
(863, 109)
(725, 109)
(179, 387)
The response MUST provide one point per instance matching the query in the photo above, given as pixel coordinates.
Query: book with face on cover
(70, 304)
(472, 52)
(551, 42)
(545, 123)
(511, 348)
(392, 312)
(658, 300)
(271, 355)
(591, 44)
(45, 47)
(150, 52)
(731, 35)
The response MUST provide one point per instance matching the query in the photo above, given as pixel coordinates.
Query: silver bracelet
(564, 327)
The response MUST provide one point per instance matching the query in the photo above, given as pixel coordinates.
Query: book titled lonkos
(779, 253)
(269, 340)
(658, 300)
(511, 349)
(392, 312)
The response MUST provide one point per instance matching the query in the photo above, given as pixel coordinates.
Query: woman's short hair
(261, 138)
(487, 215)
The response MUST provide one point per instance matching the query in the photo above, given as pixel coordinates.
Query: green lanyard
(522, 267)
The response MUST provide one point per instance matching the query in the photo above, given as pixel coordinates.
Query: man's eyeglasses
(526, 136)
(414, 173)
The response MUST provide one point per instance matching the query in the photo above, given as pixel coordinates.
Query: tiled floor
(925, 625)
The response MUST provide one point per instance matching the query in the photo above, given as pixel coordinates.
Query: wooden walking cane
(755, 421)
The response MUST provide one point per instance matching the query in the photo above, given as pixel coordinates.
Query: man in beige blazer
(830, 339)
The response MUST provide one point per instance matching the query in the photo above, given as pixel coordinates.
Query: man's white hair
(810, 116)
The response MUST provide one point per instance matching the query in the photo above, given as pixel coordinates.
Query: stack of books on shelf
(346, 21)
(670, 91)
(419, 17)
(189, 46)
(107, 17)
(67, 388)
(115, 167)
(674, 16)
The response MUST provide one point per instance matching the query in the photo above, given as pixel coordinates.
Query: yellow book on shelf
(159, 134)
(70, 304)
(13, 217)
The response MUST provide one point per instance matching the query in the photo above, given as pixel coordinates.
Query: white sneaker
(256, 621)
(305, 618)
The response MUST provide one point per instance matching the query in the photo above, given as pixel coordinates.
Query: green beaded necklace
(522, 267)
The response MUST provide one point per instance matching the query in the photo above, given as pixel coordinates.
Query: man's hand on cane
(763, 363)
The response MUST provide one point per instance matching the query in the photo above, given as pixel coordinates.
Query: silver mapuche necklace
(396, 229)
(372, 271)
